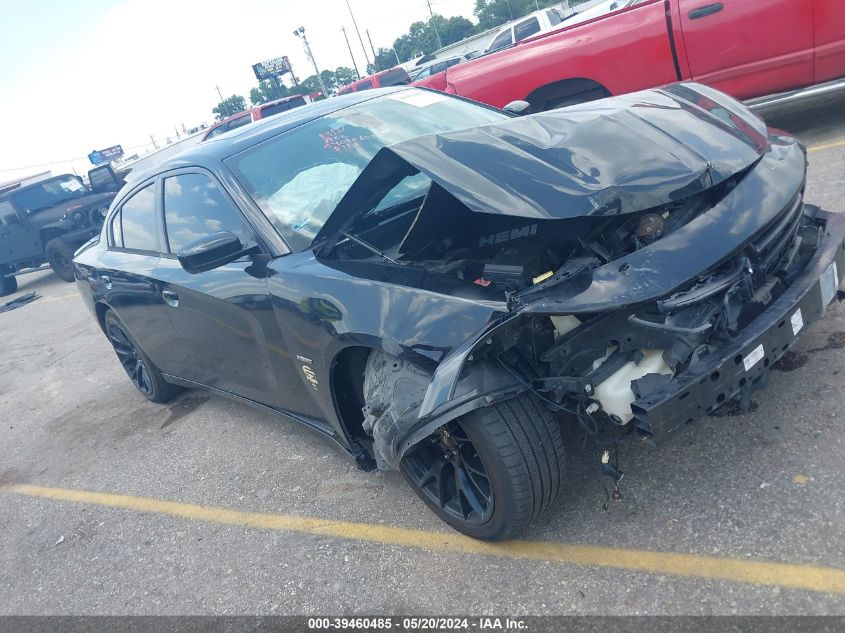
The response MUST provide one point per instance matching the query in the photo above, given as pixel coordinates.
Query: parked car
(747, 48)
(384, 79)
(437, 66)
(255, 114)
(541, 21)
(48, 220)
(434, 284)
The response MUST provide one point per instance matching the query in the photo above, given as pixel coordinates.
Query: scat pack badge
(309, 374)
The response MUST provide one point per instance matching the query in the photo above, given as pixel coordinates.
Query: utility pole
(370, 40)
(354, 65)
(360, 39)
(154, 141)
(436, 32)
(300, 32)
(398, 63)
(510, 13)
(222, 102)
(537, 3)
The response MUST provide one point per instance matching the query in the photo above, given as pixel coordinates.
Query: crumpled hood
(617, 155)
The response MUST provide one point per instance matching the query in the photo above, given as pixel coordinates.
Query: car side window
(365, 85)
(236, 123)
(526, 29)
(139, 221)
(116, 231)
(7, 212)
(502, 40)
(194, 206)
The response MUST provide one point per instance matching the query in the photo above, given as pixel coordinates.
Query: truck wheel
(8, 285)
(491, 472)
(561, 101)
(144, 375)
(60, 257)
(566, 93)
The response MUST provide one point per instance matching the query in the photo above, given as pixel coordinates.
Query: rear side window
(526, 29)
(194, 206)
(502, 40)
(7, 212)
(236, 123)
(139, 222)
(364, 85)
(396, 77)
(275, 108)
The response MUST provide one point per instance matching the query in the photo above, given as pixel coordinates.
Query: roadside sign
(98, 157)
(275, 67)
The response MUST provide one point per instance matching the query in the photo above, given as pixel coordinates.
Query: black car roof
(220, 147)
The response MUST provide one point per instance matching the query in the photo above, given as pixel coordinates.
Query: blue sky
(87, 74)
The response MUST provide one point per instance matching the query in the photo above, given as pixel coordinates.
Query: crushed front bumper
(743, 365)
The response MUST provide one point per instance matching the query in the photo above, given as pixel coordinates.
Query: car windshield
(49, 193)
(298, 177)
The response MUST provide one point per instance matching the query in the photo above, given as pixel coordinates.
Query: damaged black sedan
(435, 284)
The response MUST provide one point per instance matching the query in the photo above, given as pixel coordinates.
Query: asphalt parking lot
(114, 505)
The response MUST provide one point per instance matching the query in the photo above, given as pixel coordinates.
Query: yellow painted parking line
(807, 577)
(818, 148)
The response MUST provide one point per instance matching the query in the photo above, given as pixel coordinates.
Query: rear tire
(8, 285)
(60, 256)
(141, 371)
(517, 445)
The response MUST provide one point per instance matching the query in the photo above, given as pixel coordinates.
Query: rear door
(223, 315)
(127, 273)
(748, 48)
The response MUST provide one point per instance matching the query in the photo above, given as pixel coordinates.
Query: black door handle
(703, 12)
(170, 298)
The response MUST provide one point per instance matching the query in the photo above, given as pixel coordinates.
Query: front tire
(141, 371)
(8, 285)
(491, 472)
(60, 257)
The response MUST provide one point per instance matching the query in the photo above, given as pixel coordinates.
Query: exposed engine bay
(506, 254)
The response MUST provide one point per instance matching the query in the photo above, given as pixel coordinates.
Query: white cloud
(153, 65)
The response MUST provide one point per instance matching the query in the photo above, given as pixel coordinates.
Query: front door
(224, 315)
(748, 48)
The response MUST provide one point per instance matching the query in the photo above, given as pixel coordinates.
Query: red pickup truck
(747, 48)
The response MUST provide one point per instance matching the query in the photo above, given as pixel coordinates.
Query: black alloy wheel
(130, 358)
(447, 470)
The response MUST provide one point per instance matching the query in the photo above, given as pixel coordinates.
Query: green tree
(344, 75)
(268, 91)
(492, 13)
(453, 29)
(385, 58)
(229, 106)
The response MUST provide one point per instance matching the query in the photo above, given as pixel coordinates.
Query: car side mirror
(212, 251)
(519, 108)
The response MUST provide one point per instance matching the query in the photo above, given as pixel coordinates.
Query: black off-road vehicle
(47, 221)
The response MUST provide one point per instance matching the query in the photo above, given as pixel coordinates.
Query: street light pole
(300, 32)
(370, 40)
(354, 65)
(360, 39)
(222, 100)
(436, 32)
